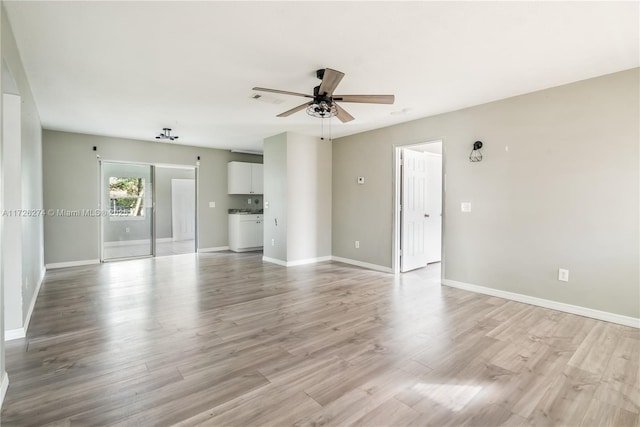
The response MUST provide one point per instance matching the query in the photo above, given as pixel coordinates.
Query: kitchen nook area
(246, 229)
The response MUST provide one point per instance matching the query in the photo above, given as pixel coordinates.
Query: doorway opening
(147, 210)
(175, 210)
(419, 206)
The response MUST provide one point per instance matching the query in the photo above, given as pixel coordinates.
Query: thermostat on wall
(361, 180)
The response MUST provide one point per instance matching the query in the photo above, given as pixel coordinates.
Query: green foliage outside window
(126, 197)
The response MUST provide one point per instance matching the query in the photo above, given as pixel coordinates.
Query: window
(126, 197)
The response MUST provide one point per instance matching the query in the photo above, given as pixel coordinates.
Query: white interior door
(433, 219)
(414, 179)
(183, 209)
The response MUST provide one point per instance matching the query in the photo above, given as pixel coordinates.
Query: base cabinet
(245, 232)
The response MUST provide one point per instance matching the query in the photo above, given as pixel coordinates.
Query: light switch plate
(212, 204)
(465, 206)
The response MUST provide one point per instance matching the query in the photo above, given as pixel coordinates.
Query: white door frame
(395, 250)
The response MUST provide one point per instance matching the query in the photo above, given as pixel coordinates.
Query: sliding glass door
(127, 206)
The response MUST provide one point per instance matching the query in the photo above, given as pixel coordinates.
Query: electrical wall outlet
(127, 229)
(465, 207)
(563, 275)
(249, 201)
(212, 204)
(273, 242)
(361, 180)
(357, 244)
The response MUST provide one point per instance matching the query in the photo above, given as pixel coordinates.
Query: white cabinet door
(239, 178)
(245, 232)
(248, 236)
(257, 180)
(245, 178)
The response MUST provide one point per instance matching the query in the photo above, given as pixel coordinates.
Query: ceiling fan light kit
(323, 102)
(166, 134)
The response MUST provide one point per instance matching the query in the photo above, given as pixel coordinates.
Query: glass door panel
(127, 203)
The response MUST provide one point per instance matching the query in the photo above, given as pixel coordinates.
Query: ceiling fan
(323, 102)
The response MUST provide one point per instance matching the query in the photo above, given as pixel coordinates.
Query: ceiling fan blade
(284, 92)
(293, 110)
(368, 99)
(342, 115)
(330, 81)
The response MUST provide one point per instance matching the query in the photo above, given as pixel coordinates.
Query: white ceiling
(128, 69)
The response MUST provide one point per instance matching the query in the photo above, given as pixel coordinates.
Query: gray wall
(309, 197)
(275, 193)
(71, 182)
(163, 198)
(32, 254)
(297, 172)
(558, 188)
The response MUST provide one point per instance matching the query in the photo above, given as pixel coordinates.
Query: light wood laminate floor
(224, 340)
(114, 252)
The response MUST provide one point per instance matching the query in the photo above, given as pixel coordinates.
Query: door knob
(426, 215)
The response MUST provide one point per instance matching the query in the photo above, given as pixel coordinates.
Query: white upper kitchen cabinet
(245, 178)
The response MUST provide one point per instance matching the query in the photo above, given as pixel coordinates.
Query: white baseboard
(362, 264)
(71, 263)
(32, 305)
(14, 334)
(215, 249)
(4, 387)
(309, 261)
(274, 261)
(253, 249)
(554, 305)
(298, 262)
(164, 240)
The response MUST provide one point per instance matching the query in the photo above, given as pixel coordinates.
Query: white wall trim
(165, 240)
(71, 263)
(14, 334)
(32, 305)
(554, 305)
(215, 249)
(4, 387)
(362, 264)
(309, 261)
(274, 261)
(298, 262)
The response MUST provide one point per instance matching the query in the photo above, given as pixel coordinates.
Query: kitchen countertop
(245, 211)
